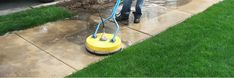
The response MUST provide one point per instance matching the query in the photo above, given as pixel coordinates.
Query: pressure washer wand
(103, 37)
(113, 16)
(108, 43)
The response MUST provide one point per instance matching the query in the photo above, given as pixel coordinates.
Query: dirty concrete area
(21, 59)
(58, 47)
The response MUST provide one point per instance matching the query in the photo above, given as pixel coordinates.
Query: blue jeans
(127, 7)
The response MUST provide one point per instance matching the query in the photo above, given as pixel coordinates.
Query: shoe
(137, 18)
(122, 18)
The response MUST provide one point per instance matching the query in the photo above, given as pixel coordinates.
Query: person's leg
(126, 7)
(138, 13)
(139, 6)
(125, 12)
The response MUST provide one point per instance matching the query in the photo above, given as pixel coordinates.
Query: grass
(30, 18)
(200, 46)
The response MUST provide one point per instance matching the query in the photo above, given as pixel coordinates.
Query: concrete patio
(56, 49)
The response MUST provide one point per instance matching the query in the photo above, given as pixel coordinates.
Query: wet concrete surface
(156, 25)
(56, 38)
(19, 58)
(197, 6)
(65, 40)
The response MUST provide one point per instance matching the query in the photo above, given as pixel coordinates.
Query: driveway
(12, 6)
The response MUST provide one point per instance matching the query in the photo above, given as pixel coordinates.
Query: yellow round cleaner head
(103, 47)
(102, 43)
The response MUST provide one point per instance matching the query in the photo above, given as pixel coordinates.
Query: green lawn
(31, 18)
(200, 46)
